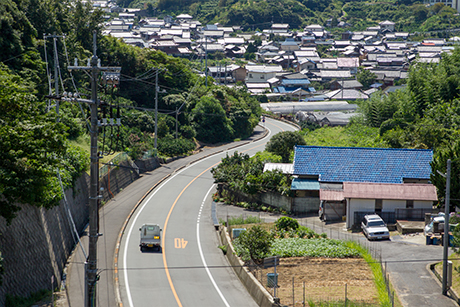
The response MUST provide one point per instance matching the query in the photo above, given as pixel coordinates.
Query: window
(250, 75)
(262, 77)
(409, 204)
(378, 205)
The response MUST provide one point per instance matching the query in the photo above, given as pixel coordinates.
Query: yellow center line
(164, 235)
(173, 289)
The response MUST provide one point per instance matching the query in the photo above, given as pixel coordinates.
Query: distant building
(261, 73)
(452, 3)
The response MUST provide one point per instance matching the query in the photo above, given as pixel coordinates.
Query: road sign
(270, 262)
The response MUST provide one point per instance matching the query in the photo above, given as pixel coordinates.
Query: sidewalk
(111, 220)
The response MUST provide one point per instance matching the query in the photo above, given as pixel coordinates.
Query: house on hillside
(261, 73)
(346, 84)
(394, 183)
(387, 25)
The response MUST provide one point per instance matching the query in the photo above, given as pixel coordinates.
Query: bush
(253, 244)
(286, 223)
(242, 221)
(171, 147)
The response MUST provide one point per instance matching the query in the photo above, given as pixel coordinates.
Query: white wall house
(385, 197)
(261, 73)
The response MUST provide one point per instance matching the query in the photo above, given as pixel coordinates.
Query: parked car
(374, 228)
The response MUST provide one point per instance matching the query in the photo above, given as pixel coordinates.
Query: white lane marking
(125, 252)
(201, 251)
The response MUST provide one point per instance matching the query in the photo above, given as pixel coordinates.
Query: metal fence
(412, 214)
(115, 161)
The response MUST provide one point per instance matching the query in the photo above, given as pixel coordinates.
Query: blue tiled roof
(288, 82)
(284, 90)
(354, 164)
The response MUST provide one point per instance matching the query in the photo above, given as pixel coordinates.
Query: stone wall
(38, 242)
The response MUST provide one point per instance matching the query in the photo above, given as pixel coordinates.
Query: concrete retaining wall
(257, 291)
(296, 205)
(38, 242)
(305, 205)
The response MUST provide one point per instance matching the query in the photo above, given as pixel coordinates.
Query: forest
(40, 149)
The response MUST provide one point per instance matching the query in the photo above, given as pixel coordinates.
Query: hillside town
(310, 65)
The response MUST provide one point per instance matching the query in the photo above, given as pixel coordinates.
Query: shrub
(254, 244)
(286, 223)
(172, 147)
(242, 220)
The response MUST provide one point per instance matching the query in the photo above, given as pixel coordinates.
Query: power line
(429, 260)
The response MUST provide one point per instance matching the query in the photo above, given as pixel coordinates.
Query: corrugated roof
(305, 184)
(355, 164)
(407, 191)
(285, 168)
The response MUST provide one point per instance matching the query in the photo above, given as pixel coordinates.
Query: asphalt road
(190, 220)
(111, 220)
(191, 270)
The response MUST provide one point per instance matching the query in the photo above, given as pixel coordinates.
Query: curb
(438, 278)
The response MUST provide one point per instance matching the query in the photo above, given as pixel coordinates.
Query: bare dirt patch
(324, 279)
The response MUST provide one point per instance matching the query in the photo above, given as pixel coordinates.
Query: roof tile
(355, 164)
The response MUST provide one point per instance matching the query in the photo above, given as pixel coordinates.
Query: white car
(374, 228)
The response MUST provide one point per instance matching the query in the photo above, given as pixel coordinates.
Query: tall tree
(211, 122)
(439, 163)
(32, 146)
(282, 144)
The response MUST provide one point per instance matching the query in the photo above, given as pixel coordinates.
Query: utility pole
(156, 110)
(206, 60)
(446, 231)
(91, 276)
(56, 69)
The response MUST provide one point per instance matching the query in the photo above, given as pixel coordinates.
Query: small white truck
(150, 237)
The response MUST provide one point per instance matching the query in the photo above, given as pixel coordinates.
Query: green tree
(255, 243)
(439, 163)
(32, 146)
(211, 122)
(282, 144)
(366, 77)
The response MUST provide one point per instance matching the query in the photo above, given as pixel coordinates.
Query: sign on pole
(270, 262)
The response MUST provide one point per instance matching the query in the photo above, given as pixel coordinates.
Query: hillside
(409, 15)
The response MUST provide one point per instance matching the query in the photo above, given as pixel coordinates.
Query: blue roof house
(383, 179)
(355, 164)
